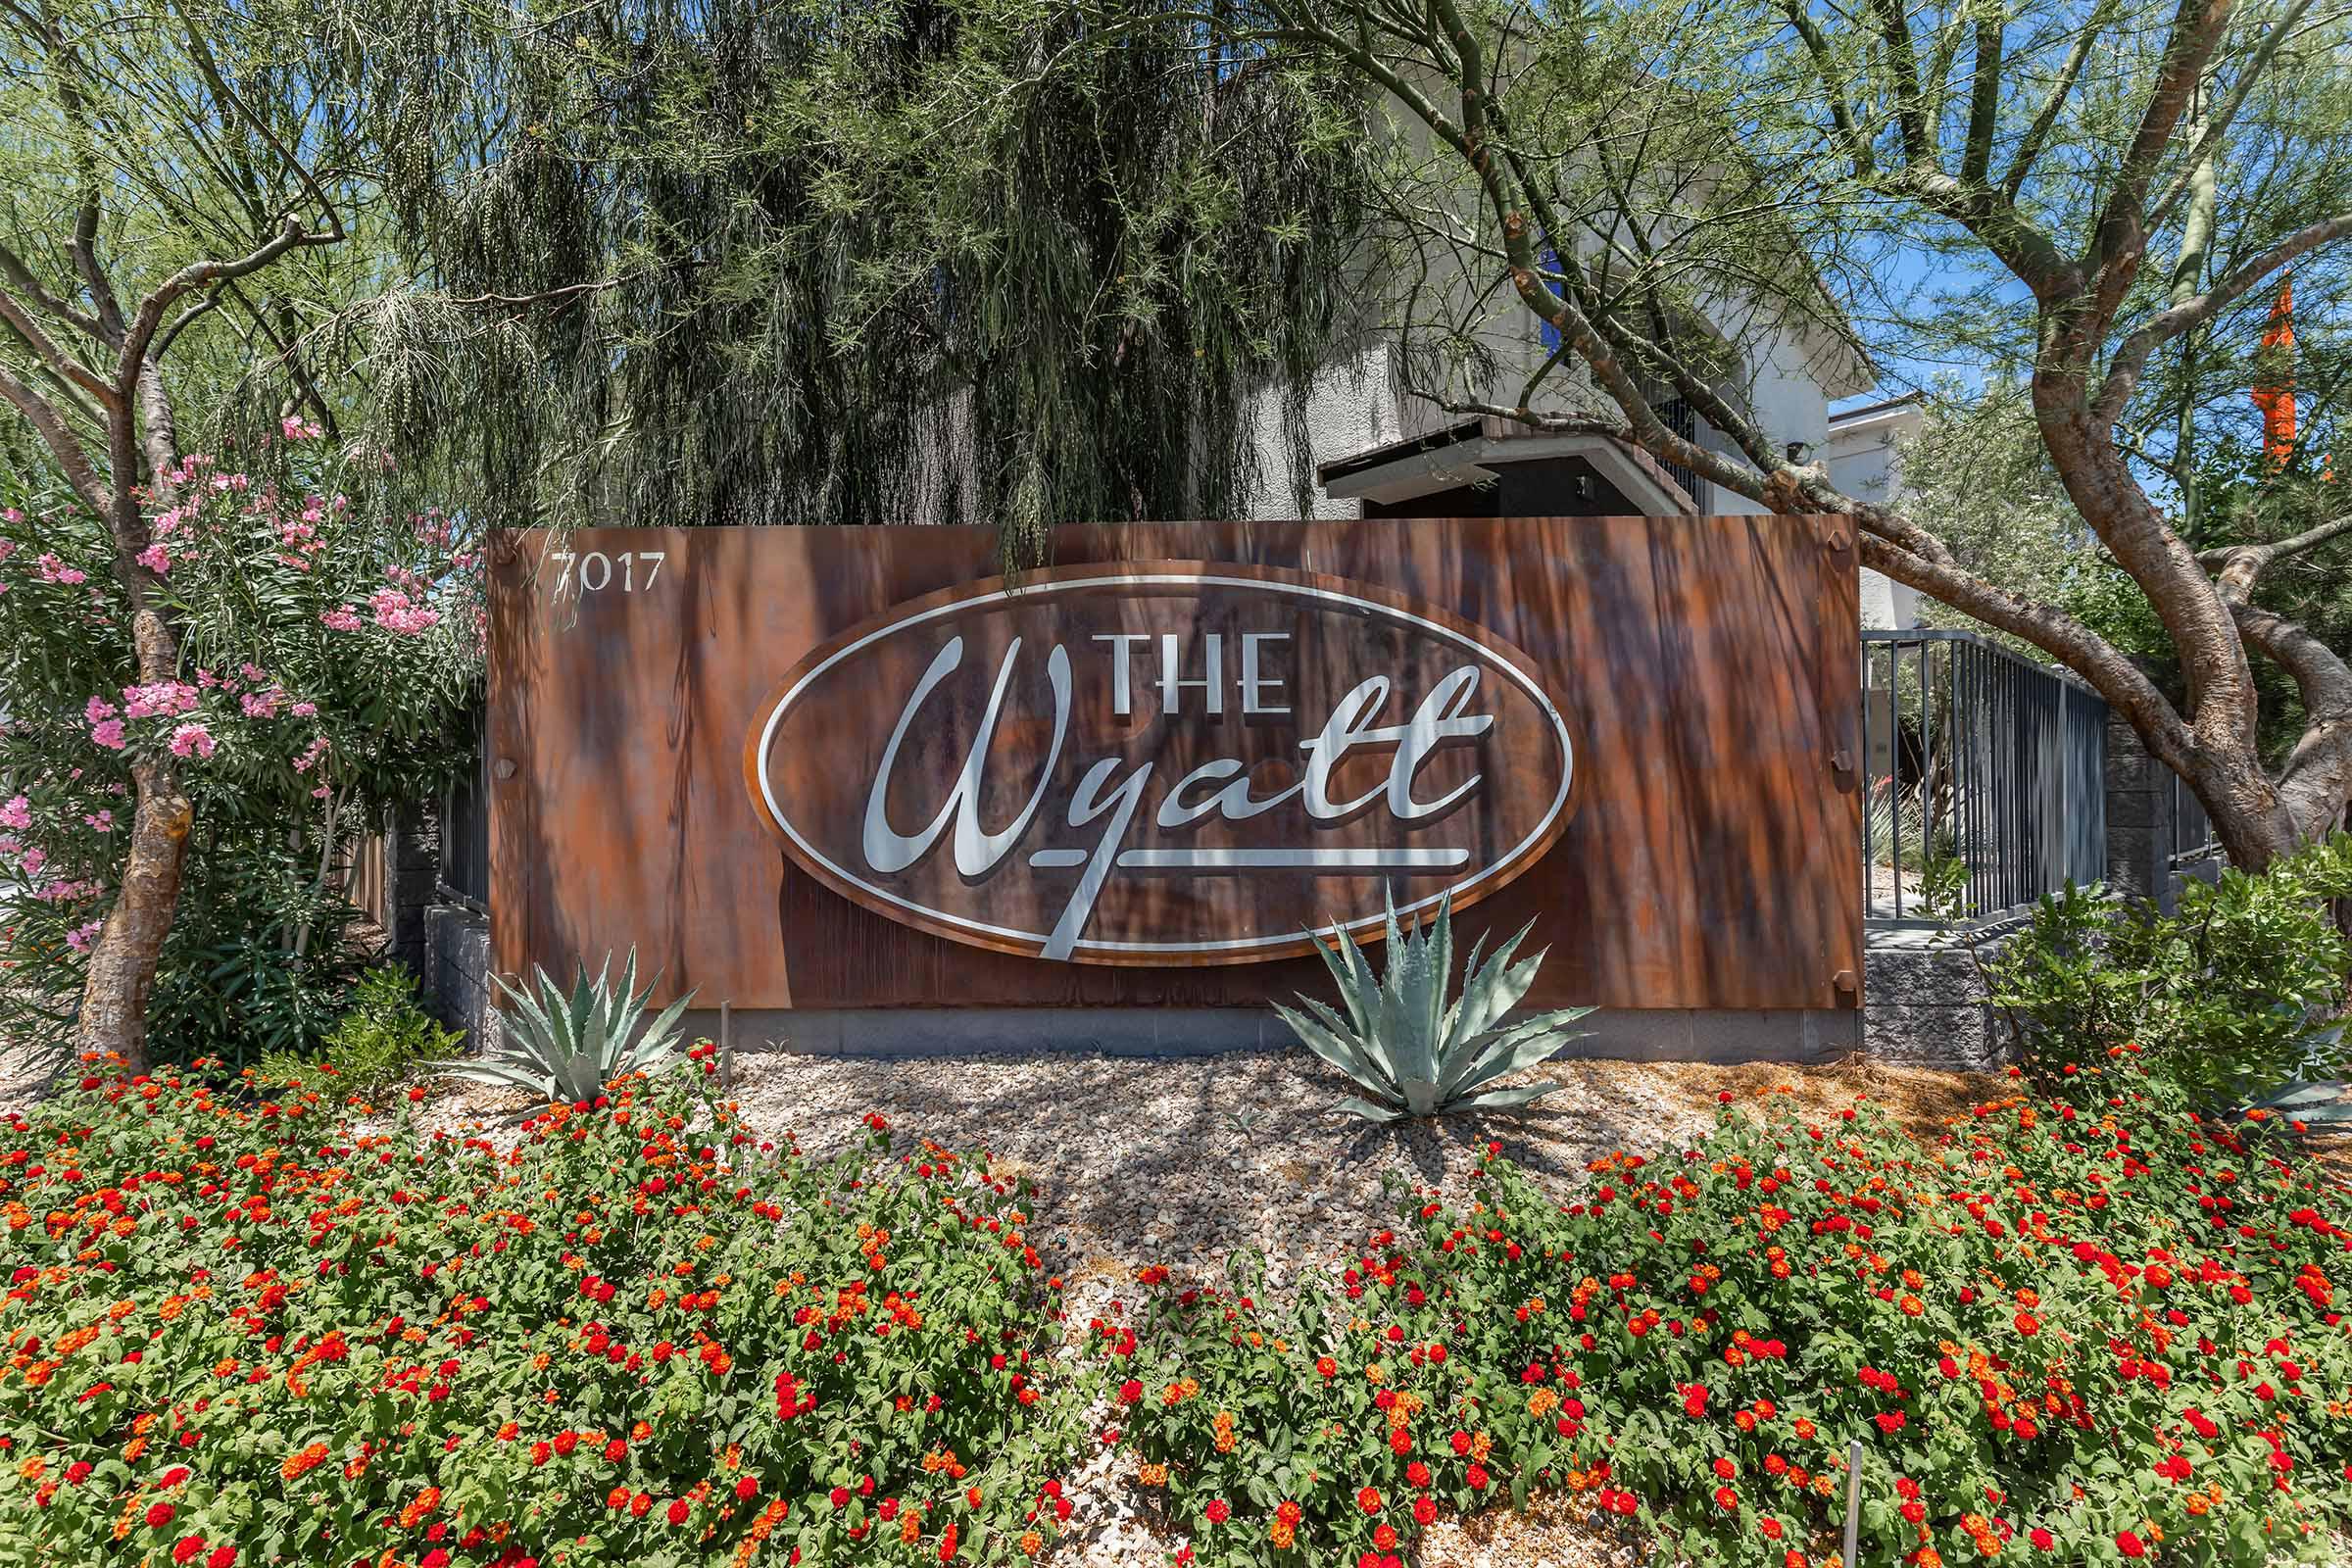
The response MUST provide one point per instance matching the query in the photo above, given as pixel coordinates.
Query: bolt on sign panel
(863, 768)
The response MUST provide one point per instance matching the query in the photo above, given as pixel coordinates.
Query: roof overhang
(1474, 453)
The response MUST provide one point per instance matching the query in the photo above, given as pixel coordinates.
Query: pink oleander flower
(165, 699)
(101, 820)
(56, 570)
(294, 429)
(155, 559)
(395, 613)
(193, 739)
(253, 672)
(107, 732)
(261, 705)
(35, 860)
(97, 710)
(319, 748)
(17, 812)
(303, 710)
(78, 939)
(341, 618)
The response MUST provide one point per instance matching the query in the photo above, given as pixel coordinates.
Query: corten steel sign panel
(855, 766)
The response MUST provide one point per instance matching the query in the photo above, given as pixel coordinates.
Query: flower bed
(2090, 1332)
(237, 1334)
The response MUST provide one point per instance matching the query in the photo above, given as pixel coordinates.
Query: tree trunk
(2255, 826)
(123, 963)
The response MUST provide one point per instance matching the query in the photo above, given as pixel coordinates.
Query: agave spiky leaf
(1410, 1052)
(566, 1046)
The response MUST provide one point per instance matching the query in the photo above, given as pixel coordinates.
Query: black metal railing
(2193, 837)
(1984, 779)
(466, 827)
(1676, 416)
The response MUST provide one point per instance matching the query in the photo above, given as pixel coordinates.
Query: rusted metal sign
(858, 767)
(1173, 761)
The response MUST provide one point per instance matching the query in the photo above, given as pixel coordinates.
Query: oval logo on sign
(1161, 763)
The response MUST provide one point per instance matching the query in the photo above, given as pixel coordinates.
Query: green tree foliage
(777, 263)
(2240, 991)
(1699, 202)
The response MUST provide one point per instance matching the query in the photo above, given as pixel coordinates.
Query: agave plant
(1405, 1049)
(564, 1049)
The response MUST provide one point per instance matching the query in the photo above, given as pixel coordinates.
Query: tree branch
(2110, 673)
(180, 323)
(1832, 85)
(2313, 781)
(1919, 132)
(2120, 233)
(2218, 122)
(71, 460)
(200, 274)
(2131, 354)
(2038, 131)
(1984, 98)
(20, 278)
(66, 366)
(2239, 568)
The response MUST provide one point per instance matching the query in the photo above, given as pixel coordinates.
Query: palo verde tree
(169, 192)
(1664, 184)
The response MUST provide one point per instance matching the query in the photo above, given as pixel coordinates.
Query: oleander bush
(2088, 1328)
(329, 654)
(239, 1330)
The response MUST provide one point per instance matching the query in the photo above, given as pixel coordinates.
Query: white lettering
(1253, 684)
(976, 850)
(1123, 694)
(1173, 812)
(1436, 721)
(1326, 751)
(1172, 685)
(1217, 787)
(1086, 805)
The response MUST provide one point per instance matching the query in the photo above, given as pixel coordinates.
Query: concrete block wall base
(457, 972)
(1660, 1035)
(1922, 1000)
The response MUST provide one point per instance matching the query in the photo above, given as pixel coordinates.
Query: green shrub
(2230, 996)
(240, 1333)
(383, 1036)
(2063, 1334)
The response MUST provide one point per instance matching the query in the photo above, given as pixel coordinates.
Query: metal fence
(2193, 837)
(1986, 779)
(1677, 415)
(466, 828)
